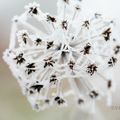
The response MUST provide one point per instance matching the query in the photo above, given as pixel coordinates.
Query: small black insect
(30, 68)
(49, 44)
(64, 24)
(93, 94)
(71, 64)
(51, 19)
(86, 24)
(91, 69)
(49, 62)
(112, 61)
(106, 34)
(36, 88)
(33, 10)
(38, 41)
(109, 84)
(86, 49)
(117, 49)
(20, 59)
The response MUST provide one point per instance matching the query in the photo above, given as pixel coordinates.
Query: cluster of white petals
(71, 56)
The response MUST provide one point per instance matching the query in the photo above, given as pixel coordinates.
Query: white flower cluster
(73, 57)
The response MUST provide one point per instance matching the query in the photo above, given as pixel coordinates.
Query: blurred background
(13, 105)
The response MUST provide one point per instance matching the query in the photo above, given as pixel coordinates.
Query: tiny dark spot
(25, 37)
(49, 44)
(19, 59)
(37, 87)
(73, 37)
(57, 98)
(30, 68)
(112, 62)
(71, 64)
(106, 34)
(77, 8)
(91, 69)
(86, 49)
(114, 39)
(38, 41)
(16, 20)
(86, 24)
(64, 52)
(66, 1)
(59, 47)
(117, 49)
(49, 62)
(33, 10)
(51, 19)
(109, 84)
(97, 15)
(53, 79)
(60, 101)
(64, 24)
(31, 92)
(93, 94)
(47, 101)
(80, 101)
(36, 106)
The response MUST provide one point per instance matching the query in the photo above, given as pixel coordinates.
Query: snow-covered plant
(72, 56)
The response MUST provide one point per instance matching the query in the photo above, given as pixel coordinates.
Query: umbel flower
(72, 55)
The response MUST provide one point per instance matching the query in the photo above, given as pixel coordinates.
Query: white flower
(74, 51)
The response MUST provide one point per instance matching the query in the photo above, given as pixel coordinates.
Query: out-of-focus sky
(14, 106)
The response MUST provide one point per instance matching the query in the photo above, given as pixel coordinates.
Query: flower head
(73, 50)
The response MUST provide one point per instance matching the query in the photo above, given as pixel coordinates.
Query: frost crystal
(74, 56)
